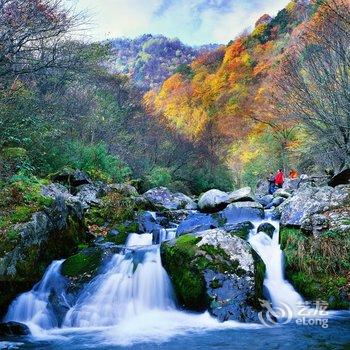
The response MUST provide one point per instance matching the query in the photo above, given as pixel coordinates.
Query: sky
(195, 22)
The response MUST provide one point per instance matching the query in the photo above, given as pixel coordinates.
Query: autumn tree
(312, 84)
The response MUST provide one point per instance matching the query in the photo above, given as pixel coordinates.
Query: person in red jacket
(279, 178)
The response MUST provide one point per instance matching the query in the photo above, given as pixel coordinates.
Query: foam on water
(281, 293)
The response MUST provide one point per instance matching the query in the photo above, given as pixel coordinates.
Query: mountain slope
(150, 59)
(220, 99)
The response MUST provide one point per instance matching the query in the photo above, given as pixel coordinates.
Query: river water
(131, 304)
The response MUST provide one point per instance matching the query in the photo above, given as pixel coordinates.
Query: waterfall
(34, 307)
(132, 283)
(281, 293)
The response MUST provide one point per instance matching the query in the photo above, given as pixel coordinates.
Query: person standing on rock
(279, 178)
(271, 180)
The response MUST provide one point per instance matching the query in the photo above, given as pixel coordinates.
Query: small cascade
(167, 234)
(281, 293)
(132, 283)
(33, 307)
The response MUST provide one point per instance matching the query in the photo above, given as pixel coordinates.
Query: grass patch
(318, 266)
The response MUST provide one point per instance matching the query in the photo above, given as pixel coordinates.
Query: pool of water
(205, 334)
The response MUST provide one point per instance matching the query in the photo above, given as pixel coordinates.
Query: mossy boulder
(213, 270)
(318, 267)
(86, 261)
(28, 248)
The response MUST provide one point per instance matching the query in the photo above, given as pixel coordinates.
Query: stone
(265, 200)
(315, 224)
(196, 222)
(125, 189)
(161, 198)
(291, 184)
(262, 188)
(217, 272)
(147, 221)
(213, 201)
(9, 329)
(307, 201)
(88, 195)
(342, 178)
(267, 228)
(244, 194)
(54, 190)
(72, 178)
(275, 202)
(242, 211)
(281, 192)
(49, 234)
(240, 229)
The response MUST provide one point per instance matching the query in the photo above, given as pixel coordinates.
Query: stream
(131, 303)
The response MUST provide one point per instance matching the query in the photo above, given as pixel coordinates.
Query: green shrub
(95, 160)
(159, 176)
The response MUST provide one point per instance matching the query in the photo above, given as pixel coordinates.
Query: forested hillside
(225, 119)
(150, 59)
(256, 103)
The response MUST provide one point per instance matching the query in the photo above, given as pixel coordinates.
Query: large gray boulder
(163, 199)
(213, 200)
(307, 201)
(244, 194)
(217, 272)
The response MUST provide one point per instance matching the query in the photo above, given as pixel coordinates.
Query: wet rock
(217, 272)
(11, 328)
(177, 216)
(49, 235)
(275, 214)
(265, 200)
(244, 194)
(196, 222)
(307, 201)
(240, 229)
(213, 200)
(267, 228)
(147, 221)
(162, 199)
(242, 211)
(275, 202)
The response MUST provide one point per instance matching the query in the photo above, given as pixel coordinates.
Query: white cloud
(194, 22)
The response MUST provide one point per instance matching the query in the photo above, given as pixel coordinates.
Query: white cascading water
(282, 294)
(132, 283)
(33, 307)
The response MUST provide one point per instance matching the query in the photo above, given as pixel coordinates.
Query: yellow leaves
(291, 6)
(259, 30)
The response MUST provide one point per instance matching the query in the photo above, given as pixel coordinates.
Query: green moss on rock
(189, 284)
(259, 276)
(186, 262)
(84, 262)
(318, 267)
